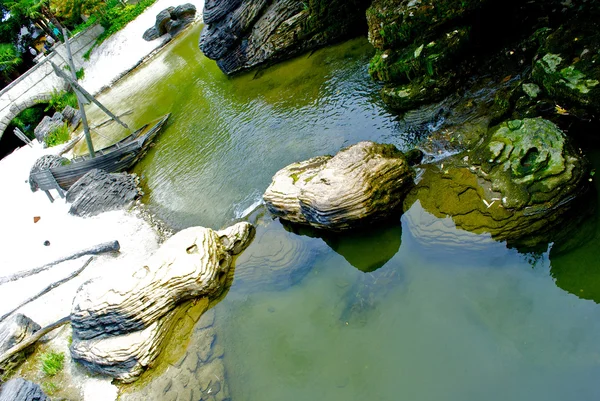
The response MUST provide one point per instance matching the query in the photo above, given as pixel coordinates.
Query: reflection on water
(417, 311)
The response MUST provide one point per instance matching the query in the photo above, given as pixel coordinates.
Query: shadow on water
(365, 248)
(578, 271)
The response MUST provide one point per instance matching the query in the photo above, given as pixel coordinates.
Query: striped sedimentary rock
(119, 323)
(362, 183)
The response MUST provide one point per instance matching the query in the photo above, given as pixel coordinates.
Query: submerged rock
(98, 192)
(362, 183)
(520, 185)
(243, 34)
(14, 330)
(120, 323)
(22, 390)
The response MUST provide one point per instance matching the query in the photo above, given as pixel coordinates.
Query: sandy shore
(23, 239)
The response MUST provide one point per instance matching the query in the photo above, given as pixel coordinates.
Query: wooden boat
(115, 158)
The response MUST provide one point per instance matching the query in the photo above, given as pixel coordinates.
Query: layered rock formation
(119, 323)
(171, 20)
(362, 183)
(43, 163)
(243, 34)
(13, 331)
(519, 186)
(22, 390)
(98, 191)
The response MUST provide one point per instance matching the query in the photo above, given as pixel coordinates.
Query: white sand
(125, 49)
(22, 240)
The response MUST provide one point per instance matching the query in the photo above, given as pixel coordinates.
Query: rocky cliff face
(240, 35)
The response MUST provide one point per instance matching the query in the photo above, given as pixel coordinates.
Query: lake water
(391, 313)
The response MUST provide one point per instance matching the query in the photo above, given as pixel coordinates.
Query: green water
(394, 313)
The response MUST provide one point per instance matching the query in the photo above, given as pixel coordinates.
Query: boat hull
(113, 159)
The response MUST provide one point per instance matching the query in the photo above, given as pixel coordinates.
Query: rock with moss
(13, 331)
(120, 322)
(568, 67)
(363, 183)
(520, 185)
(240, 35)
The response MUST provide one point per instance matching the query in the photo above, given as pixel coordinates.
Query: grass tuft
(52, 362)
(58, 136)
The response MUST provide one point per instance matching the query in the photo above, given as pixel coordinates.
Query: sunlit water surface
(417, 318)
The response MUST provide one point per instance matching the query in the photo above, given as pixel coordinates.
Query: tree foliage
(10, 59)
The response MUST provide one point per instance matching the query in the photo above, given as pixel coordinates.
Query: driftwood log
(119, 322)
(105, 247)
(48, 288)
(32, 339)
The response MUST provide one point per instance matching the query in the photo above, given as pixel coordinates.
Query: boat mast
(82, 94)
(86, 128)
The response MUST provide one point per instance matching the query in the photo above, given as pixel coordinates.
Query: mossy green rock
(568, 67)
(521, 184)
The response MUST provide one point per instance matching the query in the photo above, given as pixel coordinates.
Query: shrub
(58, 136)
(52, 362)
(60, 100)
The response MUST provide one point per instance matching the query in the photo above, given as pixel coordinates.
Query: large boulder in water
(120, 322)
(13, 331)
(98, 192)
(22, 390)
(520, 185)
(243, 34)
(362, 183)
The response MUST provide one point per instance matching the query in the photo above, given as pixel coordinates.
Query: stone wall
(37, 83)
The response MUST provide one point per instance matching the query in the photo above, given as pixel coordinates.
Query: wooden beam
(86, 128)
(105, 247)
(33, 338)
(48, 289)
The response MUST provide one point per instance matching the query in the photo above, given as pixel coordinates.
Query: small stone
(46, 243)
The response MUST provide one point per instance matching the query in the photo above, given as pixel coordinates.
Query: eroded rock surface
(43, 163)
(119, 323)
(171, 20)
(14, 330)
(243, 34)
(98, 191)
(568, 64)
(519, 186)
(22, 390)
(364, 182)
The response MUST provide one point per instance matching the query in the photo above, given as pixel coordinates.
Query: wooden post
(22, 137)
(86, 128)
(86, 94)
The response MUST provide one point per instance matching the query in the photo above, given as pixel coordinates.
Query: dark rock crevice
(243, 35)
